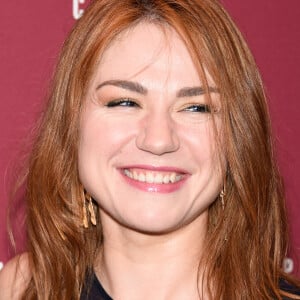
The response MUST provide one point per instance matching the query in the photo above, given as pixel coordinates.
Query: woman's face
(146, 151)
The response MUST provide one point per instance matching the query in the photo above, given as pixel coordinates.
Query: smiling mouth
(156, 177)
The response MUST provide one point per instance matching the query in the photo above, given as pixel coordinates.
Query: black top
(287, 287)
(94, 290)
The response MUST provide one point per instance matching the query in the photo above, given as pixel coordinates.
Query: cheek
(101, 140)
(205, 150)
(103, 135)
(200, 140)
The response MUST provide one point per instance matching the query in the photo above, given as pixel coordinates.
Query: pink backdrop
(31, 33)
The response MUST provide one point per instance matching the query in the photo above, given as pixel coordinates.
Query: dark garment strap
(93, 290)
(287, 287)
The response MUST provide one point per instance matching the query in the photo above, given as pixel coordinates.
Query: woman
(152, 175)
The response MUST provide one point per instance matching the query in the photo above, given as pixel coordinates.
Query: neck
(134, 265)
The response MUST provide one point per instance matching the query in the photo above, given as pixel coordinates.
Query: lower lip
(155, 187)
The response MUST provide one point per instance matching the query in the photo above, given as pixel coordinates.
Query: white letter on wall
(288, 265)
(77, 11)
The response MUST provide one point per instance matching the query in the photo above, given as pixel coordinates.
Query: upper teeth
(153, 177)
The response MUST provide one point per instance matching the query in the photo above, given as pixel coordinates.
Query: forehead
(148, 49)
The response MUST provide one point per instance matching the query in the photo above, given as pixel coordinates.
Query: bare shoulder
(14, 277)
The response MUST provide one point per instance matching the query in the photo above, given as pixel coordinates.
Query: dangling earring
(87, 209)
(84, 210)
(91, 209)
(222, 197)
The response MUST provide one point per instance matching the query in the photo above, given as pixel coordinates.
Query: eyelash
(200, 108)
(122, 102)
(127, 102)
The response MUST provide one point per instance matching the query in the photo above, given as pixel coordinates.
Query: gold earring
(222, 197)
(91, 209)
(87, 209)
(84, 210)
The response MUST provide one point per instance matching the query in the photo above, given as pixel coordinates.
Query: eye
(126, 102)
(200, 108)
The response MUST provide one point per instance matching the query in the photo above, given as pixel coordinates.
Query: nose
(158, 135)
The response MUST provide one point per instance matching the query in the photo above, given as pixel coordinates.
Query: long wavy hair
(246, 241)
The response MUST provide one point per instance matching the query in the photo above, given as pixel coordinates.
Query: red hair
(246, 242)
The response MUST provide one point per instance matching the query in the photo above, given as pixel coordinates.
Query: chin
(154, 229)
(154, 224)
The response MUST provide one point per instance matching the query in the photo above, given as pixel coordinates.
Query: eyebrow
(125, 84)
(138, 88)
(195, 91)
